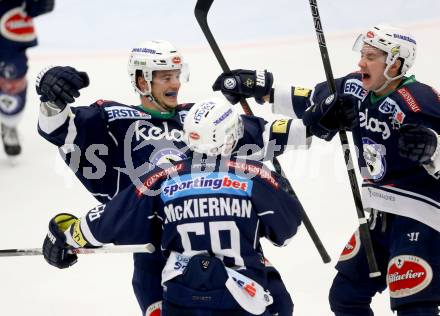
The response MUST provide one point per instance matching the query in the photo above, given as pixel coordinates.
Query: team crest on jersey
(9, 104)
(154, 309)
(351, 249)
(374, 155)
(15, 25)
(408, 275)
(354, 88)
(124, 113)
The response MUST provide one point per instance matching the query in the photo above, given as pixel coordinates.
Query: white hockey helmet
(150, 56)
(395, 42)
(212, 127)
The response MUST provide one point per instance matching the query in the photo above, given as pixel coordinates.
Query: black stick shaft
(201, 13)
(364, 231)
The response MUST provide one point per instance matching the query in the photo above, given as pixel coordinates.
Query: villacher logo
(408, 275)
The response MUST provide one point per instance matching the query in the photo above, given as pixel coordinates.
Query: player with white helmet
(156, 70)
(395, 122)
(153, 130)
(110, 145)
(209, 222)
(393, 44)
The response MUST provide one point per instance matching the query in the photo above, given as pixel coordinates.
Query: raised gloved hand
(55, 249)
(331, 115)
(60, 85)
(417, 143)
(244, 83)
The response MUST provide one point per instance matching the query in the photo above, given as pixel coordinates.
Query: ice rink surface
(96, 36)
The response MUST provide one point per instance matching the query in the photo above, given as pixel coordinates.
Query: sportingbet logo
(203, 183)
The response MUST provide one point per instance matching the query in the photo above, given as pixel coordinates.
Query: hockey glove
(60, 85)
(417, 143)
(331, 115)
(54, 246)
(244, 83)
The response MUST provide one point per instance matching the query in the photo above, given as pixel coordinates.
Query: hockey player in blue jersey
(109, 145)
(209, 213)
(17, 34)
(395, 121)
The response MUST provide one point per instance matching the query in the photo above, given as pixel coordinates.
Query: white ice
(96, 36)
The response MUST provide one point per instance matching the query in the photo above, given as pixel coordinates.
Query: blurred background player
(209, 219)
(395, 121)
(17, 33)
(109, 145)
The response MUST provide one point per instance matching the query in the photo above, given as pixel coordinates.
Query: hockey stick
(147, 248)
(364, 231)
(201, 13)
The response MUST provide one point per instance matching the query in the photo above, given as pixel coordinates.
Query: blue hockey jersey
(109, 145)
(391, 183)
(17, 31)
(221, 208)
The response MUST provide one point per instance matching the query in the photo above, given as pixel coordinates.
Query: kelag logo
(196, 184)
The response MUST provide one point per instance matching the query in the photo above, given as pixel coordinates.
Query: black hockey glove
(417, 143)
(333, 114)
(54, 246)
(60, 85)
(244, 83)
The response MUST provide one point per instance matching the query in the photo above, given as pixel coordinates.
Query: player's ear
(395, 68)
(142, 83)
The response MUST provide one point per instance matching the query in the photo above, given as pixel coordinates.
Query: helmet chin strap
(153, 100)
